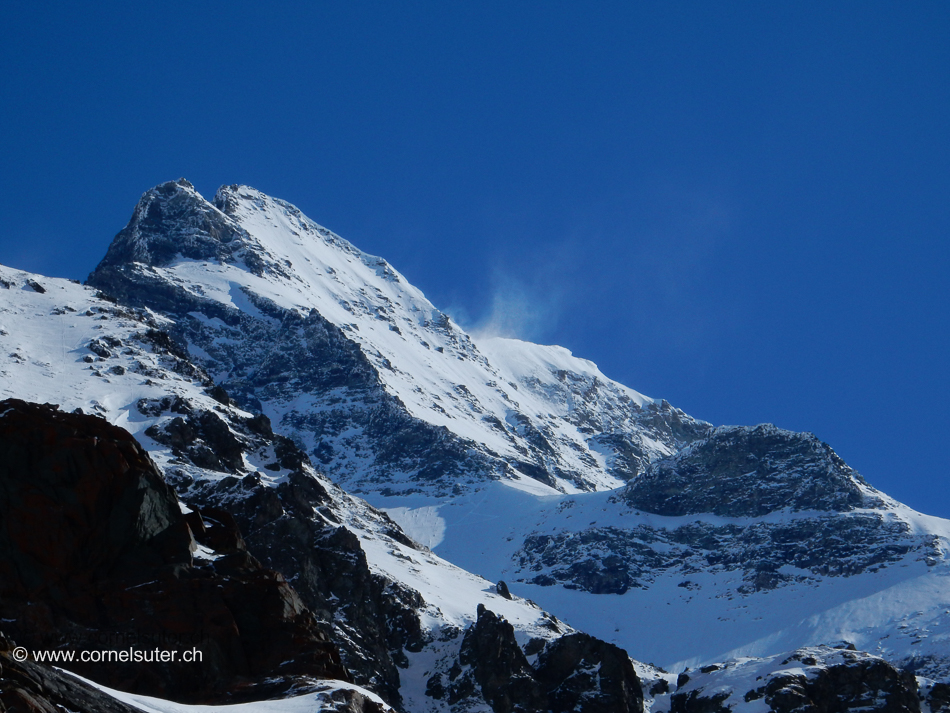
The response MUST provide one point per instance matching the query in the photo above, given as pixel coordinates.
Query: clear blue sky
(741, 207)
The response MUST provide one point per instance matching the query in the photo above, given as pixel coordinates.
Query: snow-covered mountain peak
(747, 540)
(310, 254)
(252, 282)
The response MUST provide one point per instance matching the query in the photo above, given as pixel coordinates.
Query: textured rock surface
(740, 471)
(200, 233)
(778, 507)
(95, 554)
(340, 352)
(293, 528)
(29, 687)
(812, 680)
(574, 673)
(612, 560)
(339, 396)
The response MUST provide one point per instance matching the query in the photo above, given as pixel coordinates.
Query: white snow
(318, 700)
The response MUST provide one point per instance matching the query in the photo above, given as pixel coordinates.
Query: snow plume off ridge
(254, 280)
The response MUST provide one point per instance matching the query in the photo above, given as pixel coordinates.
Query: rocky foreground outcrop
(95, 554)
(30, 687)
(575, 672)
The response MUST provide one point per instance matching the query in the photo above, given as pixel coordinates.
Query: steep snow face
(267, 299)
(63, 344)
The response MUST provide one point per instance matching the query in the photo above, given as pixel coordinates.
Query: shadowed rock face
(749, 472)
(29, 687)
(203, 233)
(736, 472)
(292, 529)
(576, 673)
(82, 502)
(96, 554)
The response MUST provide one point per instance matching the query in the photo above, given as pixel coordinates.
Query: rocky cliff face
(785, 509)
(750, 472)
(29, 687)
(96, 554)
(812, 679)
(574, 672)
(218, 457)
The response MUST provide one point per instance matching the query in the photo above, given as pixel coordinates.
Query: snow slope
(327, 695)
(61, 343)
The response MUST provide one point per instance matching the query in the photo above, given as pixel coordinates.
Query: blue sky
(741, 207)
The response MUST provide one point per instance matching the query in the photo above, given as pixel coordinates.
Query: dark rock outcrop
(201, 232)
(575, 673)
(499, 666)
(611, 560)
(95, 554)
(861, 683)
(813, 680)
(29, 687)
(823, 520)
(939, 698)
(293, 528)
(749, 472)
(582, 673)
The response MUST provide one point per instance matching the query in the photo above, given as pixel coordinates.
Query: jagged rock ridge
(92, 532)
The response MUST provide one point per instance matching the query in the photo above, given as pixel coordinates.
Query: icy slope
(267, 299)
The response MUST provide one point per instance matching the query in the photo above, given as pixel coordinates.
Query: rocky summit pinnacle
(172, 220)
(279, 306)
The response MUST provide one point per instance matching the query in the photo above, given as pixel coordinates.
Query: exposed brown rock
(96, 554)
(576, 673)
